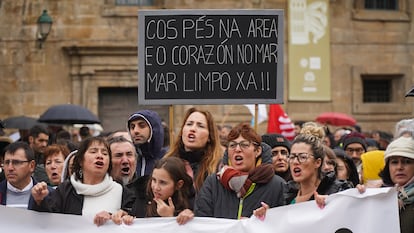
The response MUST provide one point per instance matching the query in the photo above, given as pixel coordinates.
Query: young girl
(169, 193)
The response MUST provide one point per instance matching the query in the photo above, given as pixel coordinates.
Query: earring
(80, 174)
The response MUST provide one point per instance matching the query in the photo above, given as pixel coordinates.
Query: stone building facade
(90, 59)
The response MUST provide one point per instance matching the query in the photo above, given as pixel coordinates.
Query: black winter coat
(329, 185)
(65, 200)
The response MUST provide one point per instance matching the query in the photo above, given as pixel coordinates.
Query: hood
(156, 139)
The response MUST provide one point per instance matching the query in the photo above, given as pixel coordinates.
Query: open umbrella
(410, 93)
(336, 119)
(20, 122)
(68, 114)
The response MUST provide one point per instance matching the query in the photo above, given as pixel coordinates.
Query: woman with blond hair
(305, 161)
(198, 145)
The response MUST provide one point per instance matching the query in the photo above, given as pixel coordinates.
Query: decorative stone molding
(92, 67)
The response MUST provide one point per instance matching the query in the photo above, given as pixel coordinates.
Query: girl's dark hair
(385, 174)
(80, 155)
(181, 197)
(353, 176)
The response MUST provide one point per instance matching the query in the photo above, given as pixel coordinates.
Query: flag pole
(171, 123)
(256, 113)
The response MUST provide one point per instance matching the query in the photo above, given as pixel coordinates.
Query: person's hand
(164, 209)
(39, 192)
(320, 199)
(185, 216)
(260, 212)
(361, 188)
(101, 218)
(118, 216)
(128, 219)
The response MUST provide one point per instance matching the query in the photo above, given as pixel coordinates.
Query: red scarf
(240, 182)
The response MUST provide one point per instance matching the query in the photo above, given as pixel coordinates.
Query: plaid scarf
(240, 182)
(406, 194)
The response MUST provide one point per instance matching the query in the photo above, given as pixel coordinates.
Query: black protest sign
(210, 57)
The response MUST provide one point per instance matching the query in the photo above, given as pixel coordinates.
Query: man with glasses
(18, 165)
(354, 145)
(280, 151)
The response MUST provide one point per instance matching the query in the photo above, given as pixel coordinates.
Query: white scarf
(105, 196)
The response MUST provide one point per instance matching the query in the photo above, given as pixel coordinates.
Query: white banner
(346, 212)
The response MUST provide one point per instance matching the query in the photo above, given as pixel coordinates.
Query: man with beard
(147, 133)
(38, 141)
(124, 164)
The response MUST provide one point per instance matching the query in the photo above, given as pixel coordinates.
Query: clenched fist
(39, 192)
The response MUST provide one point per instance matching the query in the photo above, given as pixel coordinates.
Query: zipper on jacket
(251, 188)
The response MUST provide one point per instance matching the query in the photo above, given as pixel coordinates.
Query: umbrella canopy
(336, 119)
(68, 114)
(20, 122)
(410, 93)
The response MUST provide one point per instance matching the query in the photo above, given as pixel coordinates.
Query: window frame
(361, 14)
(110, 9)
(400, 76)
(386, 89)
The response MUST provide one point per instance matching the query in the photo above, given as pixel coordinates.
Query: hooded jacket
(152, 150)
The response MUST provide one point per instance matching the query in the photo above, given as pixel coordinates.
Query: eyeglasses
(243, 145)
(302, 157)
(15, 162)
(352, 150)
(282, 152)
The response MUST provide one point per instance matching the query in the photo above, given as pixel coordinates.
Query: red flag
(279, 122)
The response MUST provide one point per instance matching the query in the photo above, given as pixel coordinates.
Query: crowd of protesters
(209, 171)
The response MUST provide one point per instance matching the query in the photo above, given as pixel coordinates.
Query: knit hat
(402, 146)
(354, 137)
(274, 140)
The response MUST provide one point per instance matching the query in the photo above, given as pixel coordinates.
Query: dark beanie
(274, 140)
(355, 137)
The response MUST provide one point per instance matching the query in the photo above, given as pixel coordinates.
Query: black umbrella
(20, 122)
(410, 93)
(68, 114)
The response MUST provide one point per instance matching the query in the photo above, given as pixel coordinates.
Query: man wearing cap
(147, 133)
(280, 151)
(354, 145)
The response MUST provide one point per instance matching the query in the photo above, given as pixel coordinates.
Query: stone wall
(93, 44)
